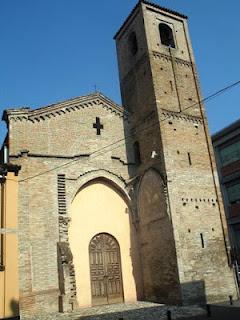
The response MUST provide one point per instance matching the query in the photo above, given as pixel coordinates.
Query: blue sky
(53, 50)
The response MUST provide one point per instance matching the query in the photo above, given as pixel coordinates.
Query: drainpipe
(3, 173)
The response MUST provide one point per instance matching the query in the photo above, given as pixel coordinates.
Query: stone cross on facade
(98, 126)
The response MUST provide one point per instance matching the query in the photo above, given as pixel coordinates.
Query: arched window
(132, 43)
(166, 35)
(137, 155)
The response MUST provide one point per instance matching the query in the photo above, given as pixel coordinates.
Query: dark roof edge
(9, 167)
(60, 104)
(228, 129)
(153, 5)
(176, 13)
(126, 20)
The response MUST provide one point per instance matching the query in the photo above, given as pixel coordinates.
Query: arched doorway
(100, 208)
(105, 270)
(159, 261)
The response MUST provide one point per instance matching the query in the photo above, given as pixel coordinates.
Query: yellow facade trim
(9, 298)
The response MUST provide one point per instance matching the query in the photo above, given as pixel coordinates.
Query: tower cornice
(151, 4)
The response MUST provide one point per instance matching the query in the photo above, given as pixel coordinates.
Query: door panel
(105, 270)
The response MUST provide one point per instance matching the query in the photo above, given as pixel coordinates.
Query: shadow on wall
(14, 306)
(194, 292)
(134, 249)
(157, 245)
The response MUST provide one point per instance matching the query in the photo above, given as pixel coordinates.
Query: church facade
(118, 204)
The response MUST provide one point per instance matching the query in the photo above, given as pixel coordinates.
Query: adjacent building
(226, 144)
(9, 289)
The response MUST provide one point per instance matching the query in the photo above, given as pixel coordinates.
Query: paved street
(147, 311)
(222, 312)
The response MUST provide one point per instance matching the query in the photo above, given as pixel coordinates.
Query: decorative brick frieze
(68, 106)
(168, 58)
(180, 116)
(54, 156)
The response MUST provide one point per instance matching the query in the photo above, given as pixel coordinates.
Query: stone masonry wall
(40, 146)
(184, 156)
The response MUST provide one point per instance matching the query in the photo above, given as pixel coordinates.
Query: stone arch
(100, 207)
(166, 35)
(159, 263)
(112, 179)
(139, 185)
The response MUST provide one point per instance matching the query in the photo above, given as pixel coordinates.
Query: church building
(119, 203)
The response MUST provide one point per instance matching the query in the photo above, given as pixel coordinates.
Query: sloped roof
(226, 130)
(63, 107)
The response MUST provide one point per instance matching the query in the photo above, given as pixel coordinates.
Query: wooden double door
(105, 270)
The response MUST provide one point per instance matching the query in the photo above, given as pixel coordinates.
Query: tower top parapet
(154, 5)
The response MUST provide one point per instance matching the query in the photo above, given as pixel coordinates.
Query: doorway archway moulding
(109, 177)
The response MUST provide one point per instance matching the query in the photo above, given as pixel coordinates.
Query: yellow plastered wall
(98, 208)
(9, 294)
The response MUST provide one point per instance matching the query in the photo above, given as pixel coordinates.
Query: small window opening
(189, 159)
(166, 35)
(5, 154)
(132, 43)
(202, 240)
(137, 155)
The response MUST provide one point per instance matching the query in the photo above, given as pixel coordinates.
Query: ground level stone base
(132, 311)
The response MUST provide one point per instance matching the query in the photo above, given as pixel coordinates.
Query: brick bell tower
(183, 237)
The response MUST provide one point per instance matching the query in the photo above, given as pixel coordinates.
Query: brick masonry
(174, 196)
(160, 87)
(41, 141)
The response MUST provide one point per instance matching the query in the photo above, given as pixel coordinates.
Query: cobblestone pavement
(133, 311)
